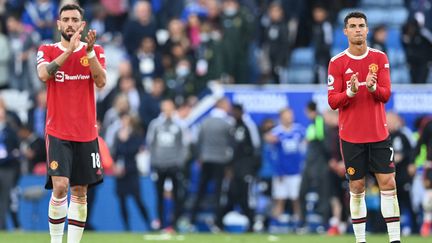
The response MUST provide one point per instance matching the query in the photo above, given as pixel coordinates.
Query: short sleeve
(43, 55)
(100, 54)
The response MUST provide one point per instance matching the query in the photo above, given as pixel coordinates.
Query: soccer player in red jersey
(359, 86)
(71, 68)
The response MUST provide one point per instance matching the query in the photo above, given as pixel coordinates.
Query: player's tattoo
(52, 67)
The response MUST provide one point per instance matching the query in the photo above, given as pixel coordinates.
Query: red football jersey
(71, 108)
(362, 118)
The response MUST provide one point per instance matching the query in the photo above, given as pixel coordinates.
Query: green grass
(25, 237)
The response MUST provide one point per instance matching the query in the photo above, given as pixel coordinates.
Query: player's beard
(66, 36)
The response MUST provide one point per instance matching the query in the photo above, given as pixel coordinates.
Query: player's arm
(380, 85)
(337, 96)
(97, 71)
(47, 69)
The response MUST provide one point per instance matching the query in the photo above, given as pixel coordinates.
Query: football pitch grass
(43, 237)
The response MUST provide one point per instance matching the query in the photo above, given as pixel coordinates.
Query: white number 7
(392, 153)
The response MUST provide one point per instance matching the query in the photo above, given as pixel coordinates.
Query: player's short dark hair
(312, 106)
(237, 107)
(355, 14)
(72, 6)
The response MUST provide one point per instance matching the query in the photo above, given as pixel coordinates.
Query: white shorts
(286, 187)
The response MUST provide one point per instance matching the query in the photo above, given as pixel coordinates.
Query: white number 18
(96, 160)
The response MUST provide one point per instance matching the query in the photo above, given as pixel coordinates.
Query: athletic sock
(391, 214)
(427, 206)
(57, 211)
(358, 215)
(77, 216)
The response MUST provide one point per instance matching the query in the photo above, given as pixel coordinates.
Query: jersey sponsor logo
(330, 80)
(373, 68)
(386, 65)
(54, 165)
(84, 61)
(351, 171)
(348, 71)
(59, 76)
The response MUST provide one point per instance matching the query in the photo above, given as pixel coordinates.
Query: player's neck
(64, 43)
(357, 50)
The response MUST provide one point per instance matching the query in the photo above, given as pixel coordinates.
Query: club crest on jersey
(373, 68)
(351, 171)
(54, 165)
(84, 61)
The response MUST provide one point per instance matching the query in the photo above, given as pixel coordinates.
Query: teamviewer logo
(59, 76)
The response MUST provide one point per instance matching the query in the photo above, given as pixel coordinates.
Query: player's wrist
(372, 88)
(91, 54)
(351, 93)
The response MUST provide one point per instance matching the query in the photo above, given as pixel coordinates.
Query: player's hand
(371, 79)
(354, 83)
(76, 38)
(90, 39)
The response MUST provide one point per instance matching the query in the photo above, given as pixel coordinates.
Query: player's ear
(58, 25)
(345, 31)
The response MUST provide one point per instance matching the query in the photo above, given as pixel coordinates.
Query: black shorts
(361, 158)
(78, 161)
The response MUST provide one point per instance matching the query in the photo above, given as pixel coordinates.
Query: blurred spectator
(275, 45)
(167, 142)
(338, 183)
(214, 153)
(167, 10)
(265, 174)
(238, 30)
(209, 64)
(33, 150)
(98, 21)
(423, 8)
(322, 40)
(213, 13)
(183, 83)
(5, 56)
(379, 38)
(23, 42)
(244, 167)
(117, 13)
(112, 122)
(405, 169)
(37, 114)
(127, 144)
(150, 103)
(12, 119)
(423, 152)
(141, 24)
(193, 30)
(316, 164)
(41, 16)
(288, 139)
(293, 10)
(417, 41)
(9, 165)
(147, 62)
(105, 100)
(176, 35)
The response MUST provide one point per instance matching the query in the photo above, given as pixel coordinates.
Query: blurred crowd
(161, 54)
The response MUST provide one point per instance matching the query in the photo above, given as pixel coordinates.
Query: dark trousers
(178, 192)
(238, 193)
(209, 171)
